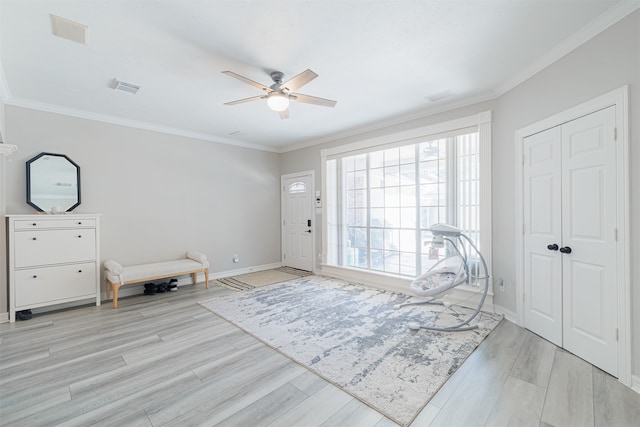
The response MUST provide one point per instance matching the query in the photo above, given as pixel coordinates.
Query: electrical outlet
(501, 284)
(235, 258)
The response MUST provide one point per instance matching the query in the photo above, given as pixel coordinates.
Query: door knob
(565, 250)
(552, 247)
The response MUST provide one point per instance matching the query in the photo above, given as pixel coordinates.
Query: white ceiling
(379, 59)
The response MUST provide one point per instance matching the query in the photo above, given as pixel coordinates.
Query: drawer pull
(79, 222)
(35, 277)
(79, 236)
(34, 238)
(79, 271)
(34, 224)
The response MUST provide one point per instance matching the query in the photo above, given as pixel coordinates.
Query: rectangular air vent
(69, 30)
(440, 96)
(124, 86)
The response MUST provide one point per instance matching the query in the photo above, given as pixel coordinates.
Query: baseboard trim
(508, 314)
(635, 383)
(4, 317)
(461, 295)
(135, 289)
(246, 270)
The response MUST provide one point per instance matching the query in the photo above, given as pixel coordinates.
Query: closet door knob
(552, 247)
(565, 250)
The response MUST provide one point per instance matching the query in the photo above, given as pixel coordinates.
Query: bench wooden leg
(116, 286)
(108, 289)
(206, 277)
(194, 277)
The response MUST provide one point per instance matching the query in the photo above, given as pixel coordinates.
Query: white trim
(419, 132)
(360, 132)
(482, 121)
(508, 314)
(620, 99)
(486, 235)
(239, 271)
(105, 118)
(583, 35)
(135, 289)
(461, 295)
(635, 383)
(312, 175)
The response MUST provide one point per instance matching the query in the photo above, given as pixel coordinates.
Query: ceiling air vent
(69, 30)
(440, 96)
(124, 86)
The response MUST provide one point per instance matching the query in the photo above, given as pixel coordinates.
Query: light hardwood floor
(164, 360)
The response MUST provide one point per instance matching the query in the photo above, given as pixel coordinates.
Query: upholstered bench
(117, 275)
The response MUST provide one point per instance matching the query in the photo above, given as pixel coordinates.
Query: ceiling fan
(279, 94)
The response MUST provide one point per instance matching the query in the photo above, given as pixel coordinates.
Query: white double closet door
(570, 200)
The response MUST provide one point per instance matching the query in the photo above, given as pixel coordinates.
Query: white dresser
(53, 259)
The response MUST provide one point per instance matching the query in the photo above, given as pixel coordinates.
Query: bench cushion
(117, 273)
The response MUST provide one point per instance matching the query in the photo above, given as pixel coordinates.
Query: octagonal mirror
(53, 183)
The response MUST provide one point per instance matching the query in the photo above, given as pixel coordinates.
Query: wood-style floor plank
(164, 360)
(614, 404)
(569, 400)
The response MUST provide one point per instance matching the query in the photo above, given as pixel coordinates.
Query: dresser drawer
(51, 284)
(49, 222)
(46, 247)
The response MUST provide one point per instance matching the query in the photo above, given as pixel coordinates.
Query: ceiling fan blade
(284, 114)
(242, 101)
(308, 99)
(298, 81)
(248, 81)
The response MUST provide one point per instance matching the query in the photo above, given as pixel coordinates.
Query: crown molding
(362, 131)
(89, 115)
(580, 37)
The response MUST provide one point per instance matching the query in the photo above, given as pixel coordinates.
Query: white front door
(297, 221)
(570, 201)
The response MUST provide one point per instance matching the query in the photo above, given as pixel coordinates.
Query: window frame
(480, 122)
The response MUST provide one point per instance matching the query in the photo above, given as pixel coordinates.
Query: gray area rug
(350, 335)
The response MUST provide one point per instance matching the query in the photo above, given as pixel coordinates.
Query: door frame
(620, 99)
(311, 174)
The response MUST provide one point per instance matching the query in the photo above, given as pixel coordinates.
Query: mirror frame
(30, 161)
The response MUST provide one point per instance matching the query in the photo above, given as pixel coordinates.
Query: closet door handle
(553, 247)
(565, 250)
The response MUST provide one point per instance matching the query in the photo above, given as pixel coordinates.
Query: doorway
(573, 285)
(298, 221)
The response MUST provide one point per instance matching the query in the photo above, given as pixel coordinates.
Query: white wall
(160, 195)
(607, 62)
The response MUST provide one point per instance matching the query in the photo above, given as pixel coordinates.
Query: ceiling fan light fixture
(278, 101)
